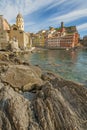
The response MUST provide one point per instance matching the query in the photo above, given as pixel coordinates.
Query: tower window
(21, 32)
(14, 28)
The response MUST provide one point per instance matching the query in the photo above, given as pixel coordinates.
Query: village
(14, 38)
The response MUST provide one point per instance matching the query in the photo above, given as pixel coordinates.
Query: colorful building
(53, 42)
(64, 37)
(84, 41)
(69, 41)
(38, 39)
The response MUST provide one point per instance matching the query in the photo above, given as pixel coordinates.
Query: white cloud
(10, 8)
(57, 3)
(82, 27)
(74, 15)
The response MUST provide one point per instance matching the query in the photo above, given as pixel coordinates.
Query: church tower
(20, 22)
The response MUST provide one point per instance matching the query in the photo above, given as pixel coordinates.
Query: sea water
(70, 64)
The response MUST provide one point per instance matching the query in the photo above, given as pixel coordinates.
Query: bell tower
(20, 22)
(62, 24)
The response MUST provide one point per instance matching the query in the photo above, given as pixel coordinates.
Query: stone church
(14, 35)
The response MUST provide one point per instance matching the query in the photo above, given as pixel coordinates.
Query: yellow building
(4, 37)
(17, 33)
(13, 34)
(20, 22)
(38, 39)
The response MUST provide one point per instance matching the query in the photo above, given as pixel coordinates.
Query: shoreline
(17, 54)
(14, 58)
(39, 97)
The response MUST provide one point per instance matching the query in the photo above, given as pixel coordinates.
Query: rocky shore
(31, 99)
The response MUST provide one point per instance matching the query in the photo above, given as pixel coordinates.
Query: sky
(40, 14)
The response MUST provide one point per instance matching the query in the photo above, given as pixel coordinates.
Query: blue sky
(40, 14)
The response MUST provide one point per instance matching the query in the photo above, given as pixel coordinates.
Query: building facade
(38, 40)
(53, 42)
(16, 34)
(63, 37)
(13, 34)
(4, 37)
(20, 22)
(66, 41)
(84, 41)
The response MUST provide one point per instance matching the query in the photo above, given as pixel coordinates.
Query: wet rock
(47, 76)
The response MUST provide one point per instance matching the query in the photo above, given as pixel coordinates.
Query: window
(14, 28)
(21, 32)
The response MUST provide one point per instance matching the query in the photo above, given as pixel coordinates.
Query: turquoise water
(70, 65)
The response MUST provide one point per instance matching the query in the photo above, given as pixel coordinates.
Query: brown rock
(57, 105)
(4, 122)
(30, 86)
(15, 109)
(19, 75)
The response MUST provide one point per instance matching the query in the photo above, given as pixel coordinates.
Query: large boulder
(13, 110)
(50, 103)
(22, 77)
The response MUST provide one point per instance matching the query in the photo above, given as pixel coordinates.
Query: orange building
(64, 37)
(69, 41)
(66, 41)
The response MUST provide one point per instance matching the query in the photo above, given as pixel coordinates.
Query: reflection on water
(71, 65)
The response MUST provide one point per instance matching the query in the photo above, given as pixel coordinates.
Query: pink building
(64, 37)
(66, 41)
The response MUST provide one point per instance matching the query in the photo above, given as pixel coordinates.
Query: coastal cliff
(31, 99)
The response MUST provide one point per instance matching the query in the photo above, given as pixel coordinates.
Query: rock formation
(31, 99)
